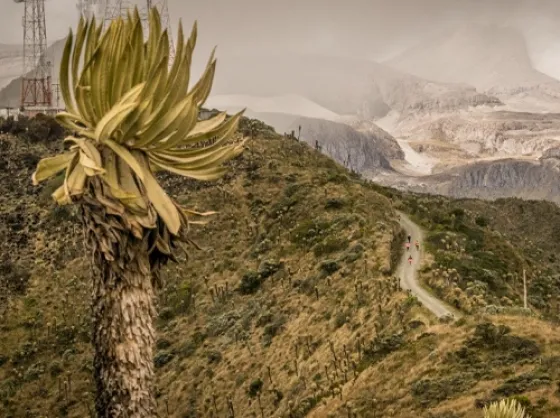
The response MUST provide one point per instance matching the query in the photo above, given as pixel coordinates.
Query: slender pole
(524, 290)
(57, 90)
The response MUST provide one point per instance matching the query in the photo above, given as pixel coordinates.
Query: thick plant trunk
(123, 311)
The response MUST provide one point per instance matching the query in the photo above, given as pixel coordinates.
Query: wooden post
(524, 290)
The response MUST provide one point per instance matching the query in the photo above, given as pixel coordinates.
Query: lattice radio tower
(90, 8)
(36, 80)
(116, 8)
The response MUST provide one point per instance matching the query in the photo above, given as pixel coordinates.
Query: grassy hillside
(289, 309)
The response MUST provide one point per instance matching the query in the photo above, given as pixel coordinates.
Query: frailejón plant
(131, 115)
(509, 408)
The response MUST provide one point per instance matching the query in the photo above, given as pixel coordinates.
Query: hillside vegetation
(289, 309)
(479, 250)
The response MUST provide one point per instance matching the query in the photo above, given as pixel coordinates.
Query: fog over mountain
(368, 29)
(487, 57)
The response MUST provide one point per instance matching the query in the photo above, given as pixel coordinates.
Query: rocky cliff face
(390, 146)
(491, 133)
(533, 180)
(360, 145)
(551, 155)
(411, 95)
(363, 152)
(509, 178)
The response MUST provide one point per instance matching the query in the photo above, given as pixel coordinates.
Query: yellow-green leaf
(195, 213)
(90, 167)
(161, 201)
(48, 167)
(213, 173)
(88, 148)
(64, 74)
(127, 156)
(61, 197)
(107, 126)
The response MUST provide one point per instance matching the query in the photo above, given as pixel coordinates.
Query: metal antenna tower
(90, 8)
(36, 80)
(116, 8)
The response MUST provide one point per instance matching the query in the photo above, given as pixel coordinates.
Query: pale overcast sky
(363, 28)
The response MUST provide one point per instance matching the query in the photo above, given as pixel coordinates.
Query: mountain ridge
(342, 85)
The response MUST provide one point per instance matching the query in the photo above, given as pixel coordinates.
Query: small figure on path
(410, 259)
(409, 238)
(417, 244)
(408, 246)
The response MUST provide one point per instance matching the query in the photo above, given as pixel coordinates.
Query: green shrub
(329, 267)
(269, 268)
(340, 319)
(214, 357)
(255, 388)
(523, 401)
(180, 300)
(163, 343)
(250, 283)
(523, 383)
(430, 392)
(334, 203)
(481, 221)
(55, 369)
(14, 277)
(330, 245)
(272, 330)
(162, 358)
(41, 128)
(458, 212)
(309, 232)
(380, 347)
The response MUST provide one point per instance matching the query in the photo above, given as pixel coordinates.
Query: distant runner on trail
(417, 244)
(408, 246)
(409, 238)
(410, 259)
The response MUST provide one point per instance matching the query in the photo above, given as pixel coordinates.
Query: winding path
(409, 273)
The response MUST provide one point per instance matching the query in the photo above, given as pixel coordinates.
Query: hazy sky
(372, 29)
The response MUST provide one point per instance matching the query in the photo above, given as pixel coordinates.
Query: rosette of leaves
(132, 116)
(506, 408)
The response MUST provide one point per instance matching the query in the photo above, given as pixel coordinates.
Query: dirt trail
(409, 273)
